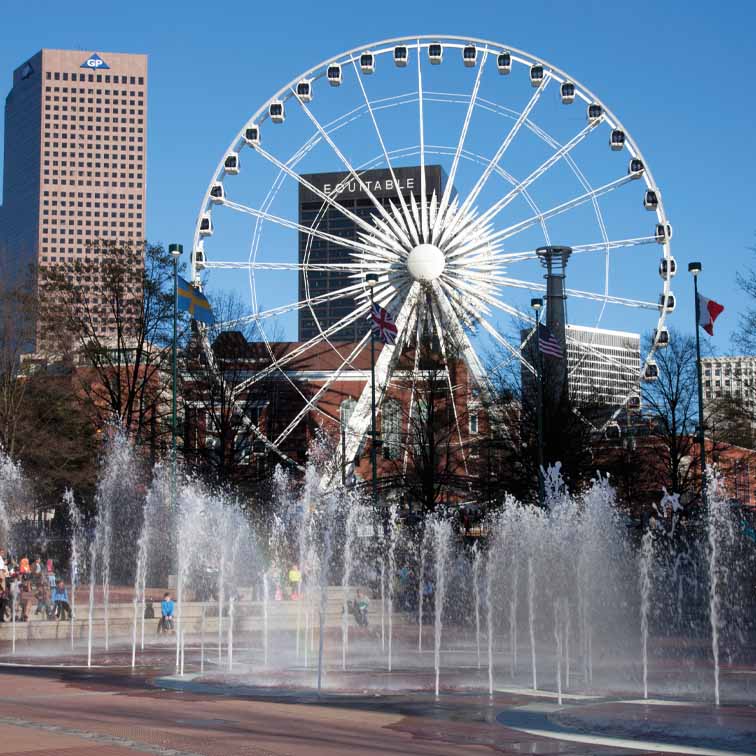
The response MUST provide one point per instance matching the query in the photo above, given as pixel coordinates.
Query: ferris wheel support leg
(384, 366)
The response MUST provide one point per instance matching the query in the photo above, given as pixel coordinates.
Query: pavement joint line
(549, 694)
(540, 726)
(110, 740)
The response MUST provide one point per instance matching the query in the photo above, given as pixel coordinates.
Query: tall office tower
(74, 168)
(315, 213)
(603, 366)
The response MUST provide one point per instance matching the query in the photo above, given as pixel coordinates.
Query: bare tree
(512, 453)
(430, 456)
(227, 416)
(18, 306)
(745, 336)
(670, 404)
(113, 316)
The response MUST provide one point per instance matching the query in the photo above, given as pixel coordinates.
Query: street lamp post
(695, 268)
(537, 305)
(371, 279)
(176, 250)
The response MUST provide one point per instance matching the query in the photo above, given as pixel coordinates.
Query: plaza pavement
(49, 712)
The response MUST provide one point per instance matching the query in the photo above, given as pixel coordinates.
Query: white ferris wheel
(528, 157)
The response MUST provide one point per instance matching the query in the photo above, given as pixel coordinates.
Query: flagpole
(537, 304)
(176, 251)
(695, 268)
(372, 279)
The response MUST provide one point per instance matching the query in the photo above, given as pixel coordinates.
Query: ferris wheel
(443, 165)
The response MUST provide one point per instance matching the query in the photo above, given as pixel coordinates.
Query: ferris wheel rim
(419, 42)
(458, 41)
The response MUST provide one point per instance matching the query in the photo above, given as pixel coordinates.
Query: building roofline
(729, 358)
(590, 329)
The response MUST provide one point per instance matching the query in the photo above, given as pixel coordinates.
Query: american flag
(383, 325)
(548, 343)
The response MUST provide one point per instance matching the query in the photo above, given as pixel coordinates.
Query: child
(166, 609)
(43, 601)
(361, 609)
(60, 600)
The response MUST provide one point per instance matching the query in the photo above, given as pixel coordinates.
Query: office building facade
(75, 152)
(315, 213)
(603, 366)
(729, 378)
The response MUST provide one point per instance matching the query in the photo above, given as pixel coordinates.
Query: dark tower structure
(554, 260)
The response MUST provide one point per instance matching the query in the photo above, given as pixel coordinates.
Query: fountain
(441, 543)
(476, 592)
(392, 535)
(74, 517)
(569, 586)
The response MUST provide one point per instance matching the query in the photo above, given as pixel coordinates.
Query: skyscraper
(75, 154)
(315, 213)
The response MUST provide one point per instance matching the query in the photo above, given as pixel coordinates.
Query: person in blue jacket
(166, 610)
(60, 601)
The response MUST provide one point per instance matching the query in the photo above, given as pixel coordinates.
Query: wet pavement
(63, 711)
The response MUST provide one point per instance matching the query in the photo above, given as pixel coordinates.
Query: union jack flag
(384, 327)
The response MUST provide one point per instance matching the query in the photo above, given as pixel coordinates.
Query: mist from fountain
(571, 585)
(76, 542)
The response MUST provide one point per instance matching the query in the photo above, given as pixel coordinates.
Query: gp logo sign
(94, 62)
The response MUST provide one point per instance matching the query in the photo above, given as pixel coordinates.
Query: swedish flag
(193, 301)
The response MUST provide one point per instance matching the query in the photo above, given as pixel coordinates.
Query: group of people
(22, 583)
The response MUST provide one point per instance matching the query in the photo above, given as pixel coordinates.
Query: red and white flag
(708, 312)
(383, 325)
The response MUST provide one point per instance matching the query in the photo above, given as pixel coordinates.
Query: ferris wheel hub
(426, 262)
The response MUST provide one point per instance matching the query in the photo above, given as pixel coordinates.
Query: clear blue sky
(679, 74)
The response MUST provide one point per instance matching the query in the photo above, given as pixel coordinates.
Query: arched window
(391, 426)
(345, 411)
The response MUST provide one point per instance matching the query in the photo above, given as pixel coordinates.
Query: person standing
(3, 569)
(295, 580)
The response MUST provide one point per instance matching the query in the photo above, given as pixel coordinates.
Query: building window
(391, 425)
(345, 412)
(473, 422)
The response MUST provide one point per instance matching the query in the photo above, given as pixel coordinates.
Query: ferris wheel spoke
(589, 349)
(460, 145)
(491, 261)
(384, 367)
(365, 188)
(421, 120)
(294, 226)
(405, 214)
(327, 198)
(451, 322)
(565, 149)
(215, 376)
(413, 387)
(304, 267)
(445, 356)
(517, 228)
(609, 299)
(504, 146)
(476, 294)
(303, 348)
(312, 402)
(345, 291)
